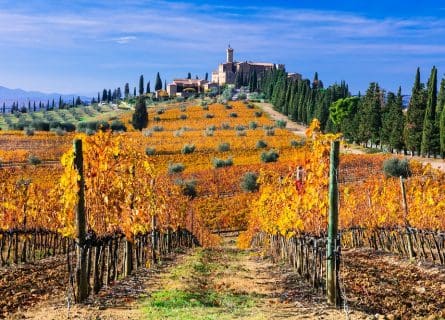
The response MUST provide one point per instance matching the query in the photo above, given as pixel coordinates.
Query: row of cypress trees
(377, 118)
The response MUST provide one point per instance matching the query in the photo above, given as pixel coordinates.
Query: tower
(229, 54)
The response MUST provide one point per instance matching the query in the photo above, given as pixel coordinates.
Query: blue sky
(83, 46)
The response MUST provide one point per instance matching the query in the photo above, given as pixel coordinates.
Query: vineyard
(175, 184)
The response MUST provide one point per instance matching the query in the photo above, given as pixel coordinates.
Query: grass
(190, 290)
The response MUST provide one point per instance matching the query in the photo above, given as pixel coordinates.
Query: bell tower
(229, 54)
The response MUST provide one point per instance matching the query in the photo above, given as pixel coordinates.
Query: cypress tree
(104, 95)
(165, 85)
(189, 75)
(141, 85)
(158, 83)
(430, 134)
(34, 107)
(140, 115)
(370, 119)
(440, 117)
(442, 133)
(397, 121)
(4, 107)
(126, 90)
(119, 93)
(148, 87)
(206, 78)
(110, 97)
(415, 116)
(134, 92)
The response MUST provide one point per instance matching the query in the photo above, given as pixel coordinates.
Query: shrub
(147, 132)
(60, 132)
(396, 167)
(240, 127)
(228, 106)
(209, 133)
(269, 132)
(149, 151)
(188, 148)
(90, 132)
(29, 131)
(183, 117)
(249, 182)
(157, 128)
(206, 107)
(188, 187)
(258, 114)
(250, 106)
(253, 125)
(40, 125)
(269, 156)
(175, 168)
(233, 115)
(118, 125)
(242, 96)
(223, 147)
(261, 144)
(183, 109)
(34, 160)
(180, 99)
(221, 163)
(211, 127)
(209, 115)
(225, 126)
(102, 125)
(241, 133)
(297, 144)
(68, 126)
(157, 118)
(160, 111)
(281, 124)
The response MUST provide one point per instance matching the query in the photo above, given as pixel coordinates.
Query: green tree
(126, 90)
(397, 120)
(370, 117)
(148, 87)
(430, 134)
(440, 117)
(158, 83)
(189, 75)
(415, 116)
(141, 85)
(140, 115)
(104, 95)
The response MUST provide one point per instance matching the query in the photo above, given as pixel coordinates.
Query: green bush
(29, 131)
(182, 117)
(269, 132)
(160, 111)
(225, 126)
(118, 125)
(157, 128)
(281, 124)
(261, 144)
(258, 114)
(175, 168)
(209, 133)
(228, 106)
(396, 167)
(188, 148)
(250, 106)
(221, 163)
(90, 132)
(223, 147)
(241, 133)
(34, 160)
(40, 125)
(188, 187)
(297, 144)
(60, 132)
(149, 151)
(253, 125)
(209, 115)
(157, 118)
(269, 156)
(249, 182)
(102, 125)
(206, 107)
(233, 115)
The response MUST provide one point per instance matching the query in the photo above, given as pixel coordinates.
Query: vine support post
(332, 287)
(153, 239)
(81, 251)
(411, 252)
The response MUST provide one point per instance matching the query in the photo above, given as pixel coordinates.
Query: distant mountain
(9, 96)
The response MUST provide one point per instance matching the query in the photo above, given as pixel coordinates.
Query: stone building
(226, 72)
(188, 87)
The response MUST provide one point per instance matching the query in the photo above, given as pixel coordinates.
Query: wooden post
(411, 252)
(81, 265)
(331, 281)
(153, 239)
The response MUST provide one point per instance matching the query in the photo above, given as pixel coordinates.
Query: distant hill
(9, 96)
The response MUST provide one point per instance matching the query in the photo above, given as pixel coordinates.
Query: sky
(83, 46)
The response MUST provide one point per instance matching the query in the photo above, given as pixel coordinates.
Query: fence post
(81, 252)
(331, 281)
(411, 252)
